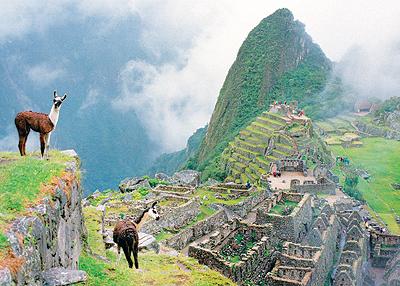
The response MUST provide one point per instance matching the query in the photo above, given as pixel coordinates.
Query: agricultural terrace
(381, 158)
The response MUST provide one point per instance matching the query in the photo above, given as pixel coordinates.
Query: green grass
(21, 180)
(155, 269)
(380, 157)
(280, 207)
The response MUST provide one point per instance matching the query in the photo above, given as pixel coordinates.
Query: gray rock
(393, 120)
(162, 177)
(210, 182)
(147, 241)
(127, 198)
(5, 277)
(187, 177)
(132, 184)
(60, 276)
(70, 152)
(96, 194)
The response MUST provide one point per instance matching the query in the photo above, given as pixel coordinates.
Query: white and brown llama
(125, 234)
(39, 122)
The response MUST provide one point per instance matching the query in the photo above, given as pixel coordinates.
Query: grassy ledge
(23, 183)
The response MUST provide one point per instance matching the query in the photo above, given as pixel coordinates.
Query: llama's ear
(154, 204)
(55, 93)
(64, 97)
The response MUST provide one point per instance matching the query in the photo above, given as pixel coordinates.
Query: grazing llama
(39, 122)
(125, 234)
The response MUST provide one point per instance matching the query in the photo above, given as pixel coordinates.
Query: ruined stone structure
(253, 246)
(392, 271)
(292, 226)
(308, 262)
(383, 247)
(174, 190)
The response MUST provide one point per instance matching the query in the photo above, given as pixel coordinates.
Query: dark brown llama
(39, 122)
(125, 234)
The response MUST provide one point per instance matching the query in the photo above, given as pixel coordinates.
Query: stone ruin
(175, 212)
(353, 249)
(240, 251)
(231, 191)
(309, 261)
(296, 248)
(291, 226)
(383, 247)
(292, 174)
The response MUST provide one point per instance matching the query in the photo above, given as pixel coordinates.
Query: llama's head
(58, 100)
(153, 212)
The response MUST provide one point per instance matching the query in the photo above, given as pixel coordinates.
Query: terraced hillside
(265, 140)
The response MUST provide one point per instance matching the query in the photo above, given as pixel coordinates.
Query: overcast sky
(175, 94)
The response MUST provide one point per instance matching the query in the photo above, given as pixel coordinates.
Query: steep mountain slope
(170, 162)
(277, 61)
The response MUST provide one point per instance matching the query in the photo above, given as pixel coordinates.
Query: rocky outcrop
(187, 178)
(49, 236)
(132, 184)
(380, 131)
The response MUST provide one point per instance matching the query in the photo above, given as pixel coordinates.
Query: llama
(125, 234)
(39, 122)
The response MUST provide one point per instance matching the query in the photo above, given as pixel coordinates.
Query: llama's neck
(140, 221)
(54, 115)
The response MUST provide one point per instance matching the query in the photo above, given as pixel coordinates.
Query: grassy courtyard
(381, 158)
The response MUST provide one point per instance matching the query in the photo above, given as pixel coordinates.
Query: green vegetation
(350, 186)
(155, 269)
(284, 207)
(169, 163)
(258, 77)
(380, 157)
(21, 180)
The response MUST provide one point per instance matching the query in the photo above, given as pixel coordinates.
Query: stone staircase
(245, 158)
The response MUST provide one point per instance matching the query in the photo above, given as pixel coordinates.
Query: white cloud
(91, 99)
(10, 141)
(200, 39)
(44, 74)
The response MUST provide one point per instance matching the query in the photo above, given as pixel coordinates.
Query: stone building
(353, 252)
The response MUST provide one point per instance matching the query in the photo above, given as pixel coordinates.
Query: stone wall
(50, 236)
(292, 227)
(174, 190)
(316, 188)
(245, 206)
(174, 218)
(383, 248)
(186, 236)
(253, 265)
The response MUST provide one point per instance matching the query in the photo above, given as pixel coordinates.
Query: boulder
(132, 184)
(186, 177)
(5, 277)
(60, 276)
(162, 177)
(147, 241)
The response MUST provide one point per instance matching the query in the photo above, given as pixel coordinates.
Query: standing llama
(39, 122)
(125, 234)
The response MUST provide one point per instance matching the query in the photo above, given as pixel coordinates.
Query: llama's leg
(42, 143)
(128, 255)
(22, 139)
(119, 254)
(47, 137)
(24, 144)
(135, 253)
